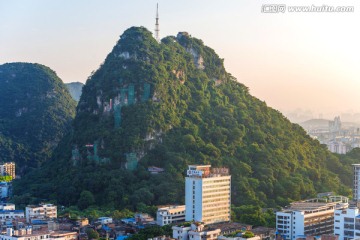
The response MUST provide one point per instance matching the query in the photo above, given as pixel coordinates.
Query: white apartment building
(7, 206)
(356, 186)
(40, 212)
(312, 217)
(207, 194)
(8, 169)
(195, 232)
(181, 232)
(171, 214)
(28, 234)
(347, 223)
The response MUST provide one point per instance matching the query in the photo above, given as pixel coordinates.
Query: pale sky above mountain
(290, 60)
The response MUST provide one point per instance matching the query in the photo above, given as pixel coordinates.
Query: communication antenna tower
(157, 30)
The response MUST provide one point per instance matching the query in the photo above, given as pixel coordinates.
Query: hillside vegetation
(36, 111)
(168, 105)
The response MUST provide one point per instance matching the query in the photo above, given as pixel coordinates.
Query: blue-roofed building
(11, 214)
(123, 237)
(38, 222)
(106, 228)
(128, 220)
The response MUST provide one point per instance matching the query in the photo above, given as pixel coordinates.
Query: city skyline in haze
(290, 60)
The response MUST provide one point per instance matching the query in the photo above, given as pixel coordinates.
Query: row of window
(215, 185)
(216, 181)
(217, 190)
(216, 195)
(215, 200)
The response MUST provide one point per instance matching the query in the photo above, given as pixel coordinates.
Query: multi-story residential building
(347, 223)
(8, 169)
(311, 217)
(28, 234)
(356, 186)
(207, 194)
(171, 214)
(40, 212)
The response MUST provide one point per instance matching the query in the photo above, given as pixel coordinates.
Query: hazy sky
(289, 60)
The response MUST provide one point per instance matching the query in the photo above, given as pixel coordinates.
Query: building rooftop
(205, 171)
(9, 211)
(318, 204)
(228, 227)
(173, 209)
(41, 205)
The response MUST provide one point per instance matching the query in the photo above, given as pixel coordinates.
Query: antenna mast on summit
(157, 30)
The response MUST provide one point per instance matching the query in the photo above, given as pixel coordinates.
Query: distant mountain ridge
(75, 89)
(35, 113)
(172, 104)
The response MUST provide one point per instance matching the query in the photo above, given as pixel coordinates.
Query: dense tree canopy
(168, 105)
(36, 111)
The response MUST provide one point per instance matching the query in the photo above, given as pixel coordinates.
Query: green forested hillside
(35, 112)
(168, 105)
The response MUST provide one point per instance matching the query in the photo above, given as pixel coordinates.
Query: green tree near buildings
(92, 234)
(86, 200)
(6, 178)
(254, 215)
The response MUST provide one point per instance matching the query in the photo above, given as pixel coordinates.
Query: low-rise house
(29, 234)
(82, 222)
(105, 220)
(161, 238)
(11, 214)
(155, 170)
(264, 232)
(144, 218)
(196, 231)
(128, 220)
(239, 238)
(228, 228)
(7, 206)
